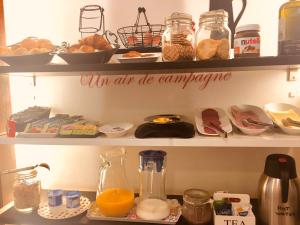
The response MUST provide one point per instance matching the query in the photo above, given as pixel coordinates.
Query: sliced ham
(240, 115)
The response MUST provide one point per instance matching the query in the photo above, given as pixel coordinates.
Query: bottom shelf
(8, 215)
(234, 140)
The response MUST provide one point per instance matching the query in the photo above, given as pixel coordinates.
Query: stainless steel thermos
(278, 192)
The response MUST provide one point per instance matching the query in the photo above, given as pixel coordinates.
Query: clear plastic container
(213, 36)
(27, 191)
(178, 38)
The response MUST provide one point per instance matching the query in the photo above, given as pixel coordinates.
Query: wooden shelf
(234, 140)
(239, 64)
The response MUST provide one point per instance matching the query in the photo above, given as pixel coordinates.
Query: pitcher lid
(276, 163)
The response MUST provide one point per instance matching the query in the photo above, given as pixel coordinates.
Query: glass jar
(115, 197)
(197, 207)
(213, 36)
(178, 38)
(27, 191)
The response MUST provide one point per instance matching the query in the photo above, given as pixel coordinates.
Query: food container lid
(178, 16)
(247, 27)
(196, 196)
(220, 13)
(55, 193)
(148, 157)
(72, 194)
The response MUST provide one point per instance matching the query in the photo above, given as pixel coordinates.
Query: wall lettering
(182, 80)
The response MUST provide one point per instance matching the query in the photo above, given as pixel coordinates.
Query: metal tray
(34, 59)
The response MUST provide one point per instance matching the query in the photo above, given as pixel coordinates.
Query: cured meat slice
(241, 116)
(210, 116)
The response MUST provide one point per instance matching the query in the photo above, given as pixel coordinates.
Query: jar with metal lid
(197, 208)
(247, 41)
(27, 191)
(213, 36)
(178, 38)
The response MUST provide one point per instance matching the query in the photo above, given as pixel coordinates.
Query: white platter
(94, 214)
(36, 135)
(62, 212)
(114, 130)
(258, 111)
(225, 123)
(280, 107)
(146, 59)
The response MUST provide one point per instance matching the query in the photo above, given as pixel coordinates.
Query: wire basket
(148, 35)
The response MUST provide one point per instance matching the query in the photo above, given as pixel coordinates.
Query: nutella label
(247, 45)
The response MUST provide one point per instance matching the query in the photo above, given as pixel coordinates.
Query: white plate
(279, 107)
(62, 212)
(115, 129)
(225, 123)
(146, 59)
(261, 116)
(36, 135)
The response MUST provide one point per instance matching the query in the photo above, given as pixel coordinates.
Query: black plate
(88, 58)
(35, 59)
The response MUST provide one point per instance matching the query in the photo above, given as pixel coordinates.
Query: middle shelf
(234, 140)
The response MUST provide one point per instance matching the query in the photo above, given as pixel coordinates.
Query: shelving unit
(238, 64)
(234, 140)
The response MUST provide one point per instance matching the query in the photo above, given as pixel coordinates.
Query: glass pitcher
(115, 197)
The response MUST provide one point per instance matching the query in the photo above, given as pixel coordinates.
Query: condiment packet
(241, 209)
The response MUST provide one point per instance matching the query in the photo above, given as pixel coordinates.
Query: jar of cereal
(213, 36)
(27, 191)
(178, 38)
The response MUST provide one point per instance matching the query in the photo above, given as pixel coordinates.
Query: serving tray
(93, 213)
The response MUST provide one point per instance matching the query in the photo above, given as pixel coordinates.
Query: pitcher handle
(241, 13)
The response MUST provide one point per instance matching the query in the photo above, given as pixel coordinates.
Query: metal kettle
(227, 5)
(278, 192)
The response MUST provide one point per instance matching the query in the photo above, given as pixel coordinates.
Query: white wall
(232, 169)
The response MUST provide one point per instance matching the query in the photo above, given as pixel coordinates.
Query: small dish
(281, 111)
(225, 123)
(100, 57)
(22, 60)
(257, 111)
(145, 58)
(114, 130)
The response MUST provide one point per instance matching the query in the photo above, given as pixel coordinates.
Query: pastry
(100, 42)
(132, 54)
(223, 49)
(156, 40)
(44, 43)
(171, 52)
(74, 48)
(5, 51)
(29, 43)
(21, 51)
(87, 49)
(87, 40)
(207, 49)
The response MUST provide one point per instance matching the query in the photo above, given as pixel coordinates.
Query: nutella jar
(247, 41)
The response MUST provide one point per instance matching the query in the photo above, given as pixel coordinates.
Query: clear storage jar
(27, 191)
(178, 38)
(213, 36)
(197, 208)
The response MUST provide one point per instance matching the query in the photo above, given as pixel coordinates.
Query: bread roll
(87, 49)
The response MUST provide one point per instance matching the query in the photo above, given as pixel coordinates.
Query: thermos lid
(152, 156)
(276, 163)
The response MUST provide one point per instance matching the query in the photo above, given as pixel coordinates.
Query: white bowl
(279, 107)
(261, 116)
(114, 130)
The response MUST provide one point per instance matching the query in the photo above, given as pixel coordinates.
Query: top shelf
(238, 64)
